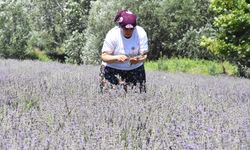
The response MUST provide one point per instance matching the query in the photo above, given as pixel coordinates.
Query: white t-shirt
(116, 44)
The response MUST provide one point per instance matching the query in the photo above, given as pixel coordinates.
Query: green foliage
(74, 47)
(232, 40)
(76, 15)
(149, 19)
(100, 21)
(39, 47)
(176, 18)
(192, 66)
(38, 54)
(75, 23)
(14, 30)
(47, 19)
(189, 45)
(41, 40)
(42, 24)
(28, 104)
(77, 28)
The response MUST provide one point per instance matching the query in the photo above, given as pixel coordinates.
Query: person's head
(127, 22)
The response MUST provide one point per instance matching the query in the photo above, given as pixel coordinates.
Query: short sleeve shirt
(116, 44)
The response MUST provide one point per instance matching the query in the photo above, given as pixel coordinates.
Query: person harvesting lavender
(124, 51)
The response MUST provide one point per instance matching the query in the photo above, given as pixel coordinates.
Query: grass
(40, 55)
(190, 66)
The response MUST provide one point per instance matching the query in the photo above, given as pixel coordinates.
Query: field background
(52, 105)
(73, 31)
(57, 106)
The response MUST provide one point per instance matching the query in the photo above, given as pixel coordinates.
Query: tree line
(73, 30)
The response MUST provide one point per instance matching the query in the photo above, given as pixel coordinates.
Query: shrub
(232, 40)
(74, 47)
(189, 45)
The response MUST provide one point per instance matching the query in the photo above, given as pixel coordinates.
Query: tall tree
(47, 24)
(14, 29)
(232, 41)
(177, 17)
(101, 19)
(148, 17)
(76, 15)
(75, 23)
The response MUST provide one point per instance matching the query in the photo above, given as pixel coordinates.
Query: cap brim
(129, 26)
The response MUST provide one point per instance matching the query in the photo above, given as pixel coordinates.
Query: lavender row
(58, 106)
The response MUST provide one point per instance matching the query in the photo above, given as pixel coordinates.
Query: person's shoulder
(140, 31)
(114, 30)
(112, 33)
(139, 28)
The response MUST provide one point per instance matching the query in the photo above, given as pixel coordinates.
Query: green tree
(47, 30)
(75, 23)
(189, 46)
(14, 30)
(100, 21)
(149, 19)
(52, 14)
(73, 47)
(176, 17)
(232, 41)
(76, 15)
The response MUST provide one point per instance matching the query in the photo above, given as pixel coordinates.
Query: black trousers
(135, 77)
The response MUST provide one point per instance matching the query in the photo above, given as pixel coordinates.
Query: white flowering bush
(58, 106)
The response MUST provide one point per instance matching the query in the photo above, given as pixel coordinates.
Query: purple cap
(126, 19)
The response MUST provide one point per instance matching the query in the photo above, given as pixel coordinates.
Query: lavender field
(58, 106)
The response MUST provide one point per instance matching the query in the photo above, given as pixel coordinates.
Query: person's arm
(109, 58)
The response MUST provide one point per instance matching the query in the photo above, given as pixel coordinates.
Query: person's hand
(121, 58)
(134, 60)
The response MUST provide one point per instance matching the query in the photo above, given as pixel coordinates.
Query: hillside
(57, 106)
